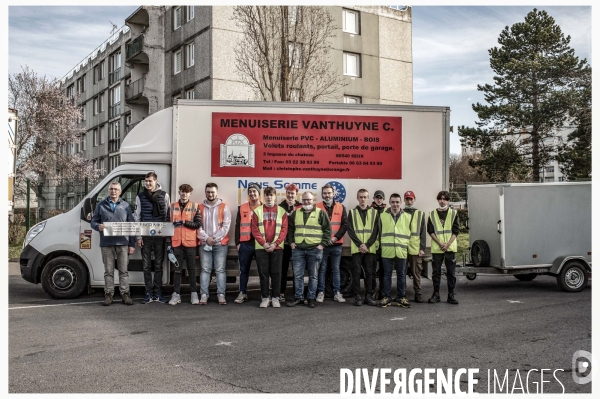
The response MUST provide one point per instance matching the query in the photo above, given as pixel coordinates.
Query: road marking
(509, 301)
(223, 343)
(398, 318)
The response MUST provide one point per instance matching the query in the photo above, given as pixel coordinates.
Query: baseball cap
(379, 192)
(409, 194)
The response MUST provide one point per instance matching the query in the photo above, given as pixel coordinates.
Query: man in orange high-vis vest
(338, 218)
(186, 219)
(244, 241)
(214, 236)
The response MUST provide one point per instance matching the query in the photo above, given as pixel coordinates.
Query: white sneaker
(175, 299)
(241, 298)
(320, 297)
(203, 299)
(275, 303)
(221, 298)
(194, 300)
(264, 303)
(339, 297)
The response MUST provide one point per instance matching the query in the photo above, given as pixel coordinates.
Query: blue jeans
(335, 253)
(245, 255)
(388, 267)
(306, 259)
(217, 258)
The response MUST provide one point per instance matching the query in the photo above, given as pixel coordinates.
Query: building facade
(169, 52)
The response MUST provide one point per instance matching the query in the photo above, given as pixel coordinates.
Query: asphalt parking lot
(501, 324)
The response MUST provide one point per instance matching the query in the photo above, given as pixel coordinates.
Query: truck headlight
(34, 231)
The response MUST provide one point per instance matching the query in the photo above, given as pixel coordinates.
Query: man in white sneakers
(214, 237)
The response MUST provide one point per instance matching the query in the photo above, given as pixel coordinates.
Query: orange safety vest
(336, 218)
(184, 235)
(221, 217)
(246, 222)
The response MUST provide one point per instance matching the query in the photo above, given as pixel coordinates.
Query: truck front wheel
(573, 277)
(64, 277)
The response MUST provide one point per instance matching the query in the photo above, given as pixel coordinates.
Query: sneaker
(148, 298)
(203, 299)
(404, 303)
(108, 299)
(282, 298)
(311, 303)
(194, 300)
(385, 302)
(339, 297)
(320, 297)
(435, 297)
(452, 299)
(221, 298)
(175, 299)
(357, 300)
(241, 298)
(264, 303)
(297, 301)
(418, 298)
(275, 303)
(160, 298)
(126, 299)
(369, 301)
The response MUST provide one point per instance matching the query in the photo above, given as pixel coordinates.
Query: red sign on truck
(318, 146)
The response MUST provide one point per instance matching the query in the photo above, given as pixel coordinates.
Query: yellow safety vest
(394, 235)
(363, 232)
(311, 232)
(443, 233)
(259, 211)
(415, 235)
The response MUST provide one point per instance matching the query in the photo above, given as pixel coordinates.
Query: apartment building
(168, 52)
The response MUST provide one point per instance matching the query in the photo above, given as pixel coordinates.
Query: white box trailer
(377, 147)
(528, 229)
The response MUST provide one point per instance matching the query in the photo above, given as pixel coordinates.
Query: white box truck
(388, 147)
(530, 229)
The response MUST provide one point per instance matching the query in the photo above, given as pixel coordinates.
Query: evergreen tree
(537, 85)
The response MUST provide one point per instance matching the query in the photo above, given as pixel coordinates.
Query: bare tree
(47, 128)
(284, 54)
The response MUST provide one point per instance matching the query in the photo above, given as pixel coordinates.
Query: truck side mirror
(86, 210)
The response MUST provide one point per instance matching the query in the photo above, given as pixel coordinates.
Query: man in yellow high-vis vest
(363, 230)
(416, 245)
(309, 232)
(395, 234)
(443, 227)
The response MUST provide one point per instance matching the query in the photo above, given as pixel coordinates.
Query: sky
(450, 45)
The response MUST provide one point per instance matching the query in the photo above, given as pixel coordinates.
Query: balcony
(133, 91)
(135, 47)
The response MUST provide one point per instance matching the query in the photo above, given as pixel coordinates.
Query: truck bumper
(30, 261)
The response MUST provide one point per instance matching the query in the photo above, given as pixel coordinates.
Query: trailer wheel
(526, 277)
(480, 253)
(64, 277)
(573, 277)
(346, 279)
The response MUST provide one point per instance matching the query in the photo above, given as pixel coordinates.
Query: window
(113, 162)
(295, 95)
(295, 55)
(114, 136)
(102, 134)
(189, 94)
(189, 55)
(82, 143)
(96, 73)
(351, 21)
(115, 102)
(128, 119)
(101, 102)
(83, 112)
(115, 67)
(95, 137)
(550, 169)
(99, 71)
(102, 165)
(189, 13)
(177, 62)
(71, 91)
(176, 18)
(81, 84)
(352, 100)
(352, 64)
(96, 107)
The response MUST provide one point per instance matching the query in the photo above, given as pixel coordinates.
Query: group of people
(308, 234)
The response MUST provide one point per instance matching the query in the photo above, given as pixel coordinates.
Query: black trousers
(449, 259)
(156, 245)
(269, 266)
(368, 262)
(189, 254)
(285, 265)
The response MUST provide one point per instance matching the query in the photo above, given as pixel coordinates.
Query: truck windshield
(131, 185)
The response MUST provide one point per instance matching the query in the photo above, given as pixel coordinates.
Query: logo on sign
(237, 151)
(339, 191)
(152, 232)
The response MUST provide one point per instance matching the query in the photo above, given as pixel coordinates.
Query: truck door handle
(499, 221)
